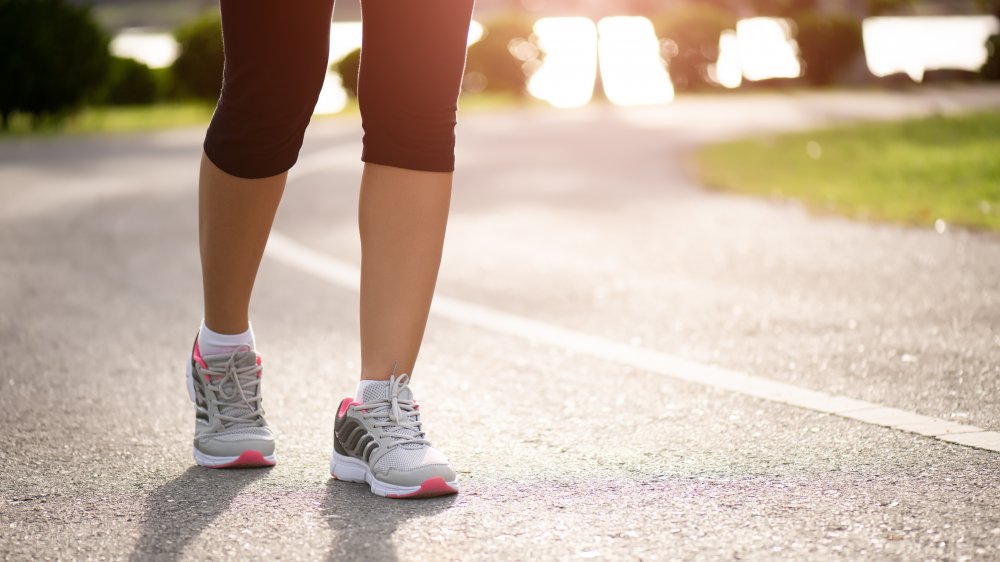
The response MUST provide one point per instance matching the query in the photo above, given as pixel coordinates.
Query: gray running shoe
(230, 431)
(379, 441)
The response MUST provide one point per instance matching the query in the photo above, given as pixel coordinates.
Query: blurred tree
(734, 7)
(165, 87)
(129, 82)
(348, 68)
(991, 70)
(828, 44)
(980, 6)
(197, 72)
(690, 35)
(883, 7)
(781, 8)
(53, 55)
(504, 57)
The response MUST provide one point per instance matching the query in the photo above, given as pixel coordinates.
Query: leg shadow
(179, 510)
(364, 523)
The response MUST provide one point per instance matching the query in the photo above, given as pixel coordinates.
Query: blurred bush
(197, 72)
(828, 45)
(780, 8)
(53, 56)
(504, 57)
(886, 7)
(690, 35)
(166, 90)
(129, 82)
(347, 68)
(991, 70)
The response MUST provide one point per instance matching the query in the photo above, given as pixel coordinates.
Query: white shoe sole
(350, 469)
(246, 459)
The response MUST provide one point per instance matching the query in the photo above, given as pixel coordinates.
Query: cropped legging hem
(241, 169)
(253, 152)
(413, 56)
(412, 160)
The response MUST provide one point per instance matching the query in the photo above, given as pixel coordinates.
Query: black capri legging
(412, 61)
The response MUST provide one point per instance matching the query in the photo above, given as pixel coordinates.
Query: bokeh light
(156, 49)
(632, 70)
(566, 77)
(727, 70)
(766, 49)
(914, 45)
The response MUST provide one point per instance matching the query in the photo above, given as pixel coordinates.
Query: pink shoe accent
(345, 404)
(247, 459)
(259, 361)
(197, 355)
(430, 488)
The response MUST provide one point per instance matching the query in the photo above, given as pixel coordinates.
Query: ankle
(211, 342)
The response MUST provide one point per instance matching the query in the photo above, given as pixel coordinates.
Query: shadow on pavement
(364, 523)
(178, 511)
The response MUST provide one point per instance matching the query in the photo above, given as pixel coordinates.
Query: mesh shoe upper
(230, 414)
(385, 430)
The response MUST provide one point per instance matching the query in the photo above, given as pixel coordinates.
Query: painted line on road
(346, 275)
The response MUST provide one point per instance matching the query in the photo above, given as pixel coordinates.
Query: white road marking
(345, 275)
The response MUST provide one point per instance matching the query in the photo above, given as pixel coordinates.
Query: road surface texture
(585, 220)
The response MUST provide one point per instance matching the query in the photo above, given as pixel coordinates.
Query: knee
(261, 119)
(410, 134)
(410, 80)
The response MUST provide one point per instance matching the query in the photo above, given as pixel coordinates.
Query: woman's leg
(402, 217)
(412, 62)
(234, 217)
(276, 57)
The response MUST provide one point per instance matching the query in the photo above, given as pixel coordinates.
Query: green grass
(910, 172)
(121, 119)
(126, 119)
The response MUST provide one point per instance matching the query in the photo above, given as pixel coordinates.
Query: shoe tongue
(379, 390)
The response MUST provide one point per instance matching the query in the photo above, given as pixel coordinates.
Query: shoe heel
(347, 469)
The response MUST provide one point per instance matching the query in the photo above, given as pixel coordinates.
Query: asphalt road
(584, 219)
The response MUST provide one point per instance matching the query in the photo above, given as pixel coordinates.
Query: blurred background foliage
(347, 68)
(504, 57)
(54, 54)
(691, 41)
(991, 70)
(197, 72)
(828, 45)
(129, 82)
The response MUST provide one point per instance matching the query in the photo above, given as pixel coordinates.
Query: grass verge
(123, 119)
(117, 119)
(912, 172)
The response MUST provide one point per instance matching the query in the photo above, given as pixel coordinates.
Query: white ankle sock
(214, 343)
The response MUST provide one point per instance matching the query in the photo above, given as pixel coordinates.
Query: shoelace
(396, 413)
(242, 380)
